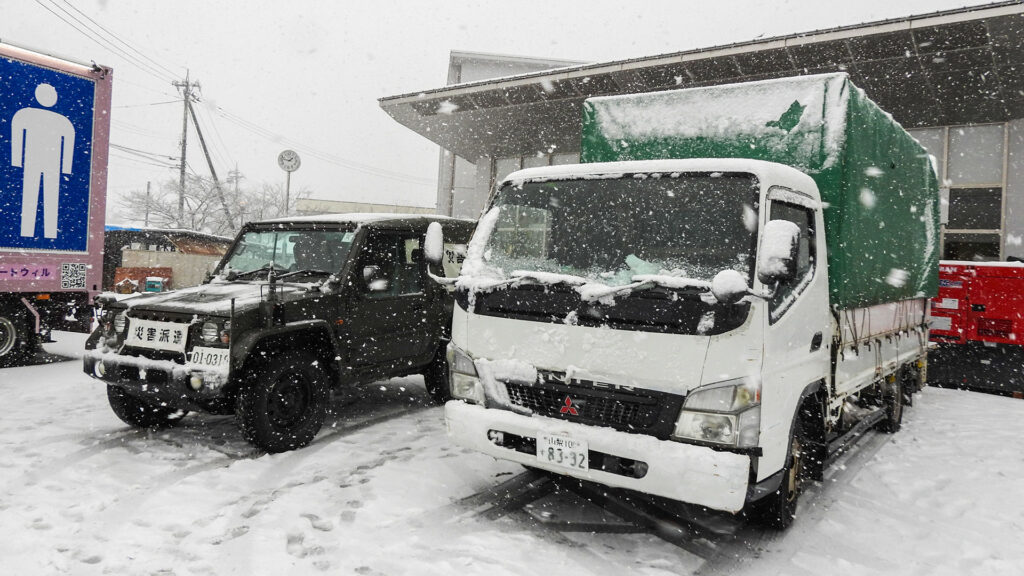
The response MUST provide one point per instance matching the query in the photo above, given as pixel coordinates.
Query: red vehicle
(977, 322)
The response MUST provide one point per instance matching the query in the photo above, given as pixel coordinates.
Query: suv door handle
(816, 341)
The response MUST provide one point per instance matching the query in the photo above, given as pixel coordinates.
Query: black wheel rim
(8, 336)
(289, 400)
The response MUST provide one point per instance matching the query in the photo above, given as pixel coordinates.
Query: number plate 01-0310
(562, 451)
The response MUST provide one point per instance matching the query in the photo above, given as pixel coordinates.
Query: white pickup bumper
(678, 471)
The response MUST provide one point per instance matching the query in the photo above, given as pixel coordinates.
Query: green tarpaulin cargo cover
(877, 183)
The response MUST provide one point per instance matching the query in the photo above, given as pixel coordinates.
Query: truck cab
(663, 326)
(297, 307)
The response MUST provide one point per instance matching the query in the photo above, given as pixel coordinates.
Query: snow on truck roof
(358, 218)
(764, 170)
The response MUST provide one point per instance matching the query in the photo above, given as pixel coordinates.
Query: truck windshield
(615, 231)
(302, 252)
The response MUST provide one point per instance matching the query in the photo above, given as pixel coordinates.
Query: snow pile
(382, 491)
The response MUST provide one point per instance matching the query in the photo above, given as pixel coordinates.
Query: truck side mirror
(780, 245)
(433, 244)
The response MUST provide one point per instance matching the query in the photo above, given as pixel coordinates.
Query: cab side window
(391, 265)
(787, 292)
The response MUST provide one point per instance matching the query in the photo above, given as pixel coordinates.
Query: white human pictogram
(43, 142)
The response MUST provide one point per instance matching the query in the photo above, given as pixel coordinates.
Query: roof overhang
(962, 66)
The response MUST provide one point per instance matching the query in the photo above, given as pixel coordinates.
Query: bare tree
(202, 205)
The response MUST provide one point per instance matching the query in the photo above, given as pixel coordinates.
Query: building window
(970, 162)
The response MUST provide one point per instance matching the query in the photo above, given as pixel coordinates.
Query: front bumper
(162, 380)
(682, 472)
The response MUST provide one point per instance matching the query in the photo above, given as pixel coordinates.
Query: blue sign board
(45, 157)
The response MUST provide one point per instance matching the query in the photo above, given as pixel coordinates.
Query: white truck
(729, 288)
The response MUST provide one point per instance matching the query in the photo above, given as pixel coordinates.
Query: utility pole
(147, 204)
(186, 96)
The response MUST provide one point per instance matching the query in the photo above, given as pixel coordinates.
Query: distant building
(955, 79)
(313, 207)
(144, 252)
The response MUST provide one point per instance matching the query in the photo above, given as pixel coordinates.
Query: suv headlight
(465, 383)
(120, 321)
(211, 332)
(727, 413)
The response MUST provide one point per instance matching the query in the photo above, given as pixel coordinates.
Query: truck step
(837, 447)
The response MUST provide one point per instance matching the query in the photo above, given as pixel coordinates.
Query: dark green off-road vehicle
(296, 308)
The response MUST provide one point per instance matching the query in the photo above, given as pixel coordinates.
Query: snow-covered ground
(382, 491)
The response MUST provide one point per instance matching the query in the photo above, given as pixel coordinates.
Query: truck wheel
(435, 378)
(17, 342)
(140, 413)
(282, 406)
(893, 397)
(778, 509)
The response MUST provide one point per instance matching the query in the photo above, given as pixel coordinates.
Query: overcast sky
(311, 72)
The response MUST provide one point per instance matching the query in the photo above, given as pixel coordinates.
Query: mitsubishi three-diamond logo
(569, 408)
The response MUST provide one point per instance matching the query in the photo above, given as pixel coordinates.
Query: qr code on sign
(72, 276)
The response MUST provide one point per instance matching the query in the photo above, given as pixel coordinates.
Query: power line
(324, 156)
(131, 150)
(147, 104)
(101, 41)
(126, 44)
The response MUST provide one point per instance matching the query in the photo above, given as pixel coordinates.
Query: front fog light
(99, 369)
(196, 381)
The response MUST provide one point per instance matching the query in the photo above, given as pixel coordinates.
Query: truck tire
(435, 378)
(17, 342)
(778, 509)
(283, 403)
(893, 397)
(140, 413)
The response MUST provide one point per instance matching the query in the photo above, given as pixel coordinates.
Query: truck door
(389, 316)
(799, 329)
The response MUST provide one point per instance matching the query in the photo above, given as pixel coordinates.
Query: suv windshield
(609, 231)
(298, 251)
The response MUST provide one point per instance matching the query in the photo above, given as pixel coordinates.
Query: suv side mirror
(433, 244)
(370, 273)
(780, 245)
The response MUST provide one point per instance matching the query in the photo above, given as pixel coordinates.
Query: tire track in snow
(743, 551)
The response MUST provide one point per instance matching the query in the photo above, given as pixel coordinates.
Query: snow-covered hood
(670, 363)
(215, 299)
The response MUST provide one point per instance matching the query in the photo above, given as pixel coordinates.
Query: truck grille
(638, 411)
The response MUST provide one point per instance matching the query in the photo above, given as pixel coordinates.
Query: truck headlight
(727, 413)
(211, 332)
(465, 383)
(120, 321)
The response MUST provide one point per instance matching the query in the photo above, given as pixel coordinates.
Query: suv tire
(140, 413)
(283, 403)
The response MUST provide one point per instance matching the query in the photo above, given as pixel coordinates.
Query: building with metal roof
(955, 79)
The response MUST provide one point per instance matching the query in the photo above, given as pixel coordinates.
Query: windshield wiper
(304, 271)
(641, 282)
(542, 278)
(264, 268)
